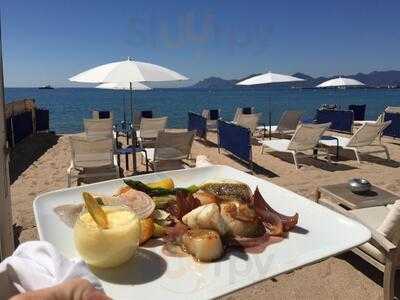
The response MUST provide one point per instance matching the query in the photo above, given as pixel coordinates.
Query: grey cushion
(372, 216)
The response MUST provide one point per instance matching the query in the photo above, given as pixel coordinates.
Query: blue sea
(68, 106)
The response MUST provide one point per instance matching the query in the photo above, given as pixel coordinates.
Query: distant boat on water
(46, 87)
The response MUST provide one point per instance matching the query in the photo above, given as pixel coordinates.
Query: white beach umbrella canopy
(127, 71)
(136, 86)
(124, 86)
(339, 82)
(269, 78)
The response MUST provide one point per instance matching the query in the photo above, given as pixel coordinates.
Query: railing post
(6, 233)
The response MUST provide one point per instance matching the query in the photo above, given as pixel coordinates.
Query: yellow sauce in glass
(111, 247)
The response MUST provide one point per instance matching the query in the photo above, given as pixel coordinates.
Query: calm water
(68, 106)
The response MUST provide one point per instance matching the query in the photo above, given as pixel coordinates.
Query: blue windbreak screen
(198, 124)
(9, 132)
(42, 119)
(341, 120)
(393, 129)
(22, 126)
(235, 139)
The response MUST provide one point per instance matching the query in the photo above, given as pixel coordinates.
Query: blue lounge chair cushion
(147, 114)
(198, 124)
(246, 110)
(104, 114)
(214, 114)
(359, 111)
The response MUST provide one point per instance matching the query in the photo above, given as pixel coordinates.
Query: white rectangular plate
(152, 275)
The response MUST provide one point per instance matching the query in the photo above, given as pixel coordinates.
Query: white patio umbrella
(129, 72)
(340, 82)
(136, 86)
(269, 78)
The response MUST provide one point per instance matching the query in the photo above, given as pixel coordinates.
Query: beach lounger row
(306, 137)
(311, 137)
(95, 155)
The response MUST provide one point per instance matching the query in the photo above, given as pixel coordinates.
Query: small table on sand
(342, 195)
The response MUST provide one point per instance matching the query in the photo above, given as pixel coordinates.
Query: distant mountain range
(377, 79)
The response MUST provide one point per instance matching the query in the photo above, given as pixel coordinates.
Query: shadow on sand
(257, 169)
(367, 269)
(308, 160)
(206, 143)
(28, 151)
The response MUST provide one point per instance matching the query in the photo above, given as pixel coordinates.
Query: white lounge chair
(170, 148)
(380, 119)
(392, 109)
(383, 250)
(98, 128)
(137, 118)
(96, 115)
(249, 121)
(286, 125)
(306, 137)
(211, 122)
(149, 130)
(239, 111)
(368, 135)
(92, 159)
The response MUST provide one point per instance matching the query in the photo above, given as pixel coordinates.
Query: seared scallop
(203, 244)
(205, 217)
(241, 220)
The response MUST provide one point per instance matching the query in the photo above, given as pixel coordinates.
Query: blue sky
(48, 41)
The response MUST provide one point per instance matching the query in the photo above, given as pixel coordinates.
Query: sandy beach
(39, 165)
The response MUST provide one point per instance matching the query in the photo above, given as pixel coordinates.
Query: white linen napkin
(36, 265)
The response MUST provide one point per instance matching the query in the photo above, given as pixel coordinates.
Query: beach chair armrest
(115, 159)
(71, 167)
(377, 239)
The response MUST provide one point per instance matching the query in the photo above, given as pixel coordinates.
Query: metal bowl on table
(359, 185)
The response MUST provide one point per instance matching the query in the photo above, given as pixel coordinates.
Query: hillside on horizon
(378, 79)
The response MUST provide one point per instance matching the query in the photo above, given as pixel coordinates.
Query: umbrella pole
(269, 116)
(134, 138)
(123, 102)
(131, 98)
